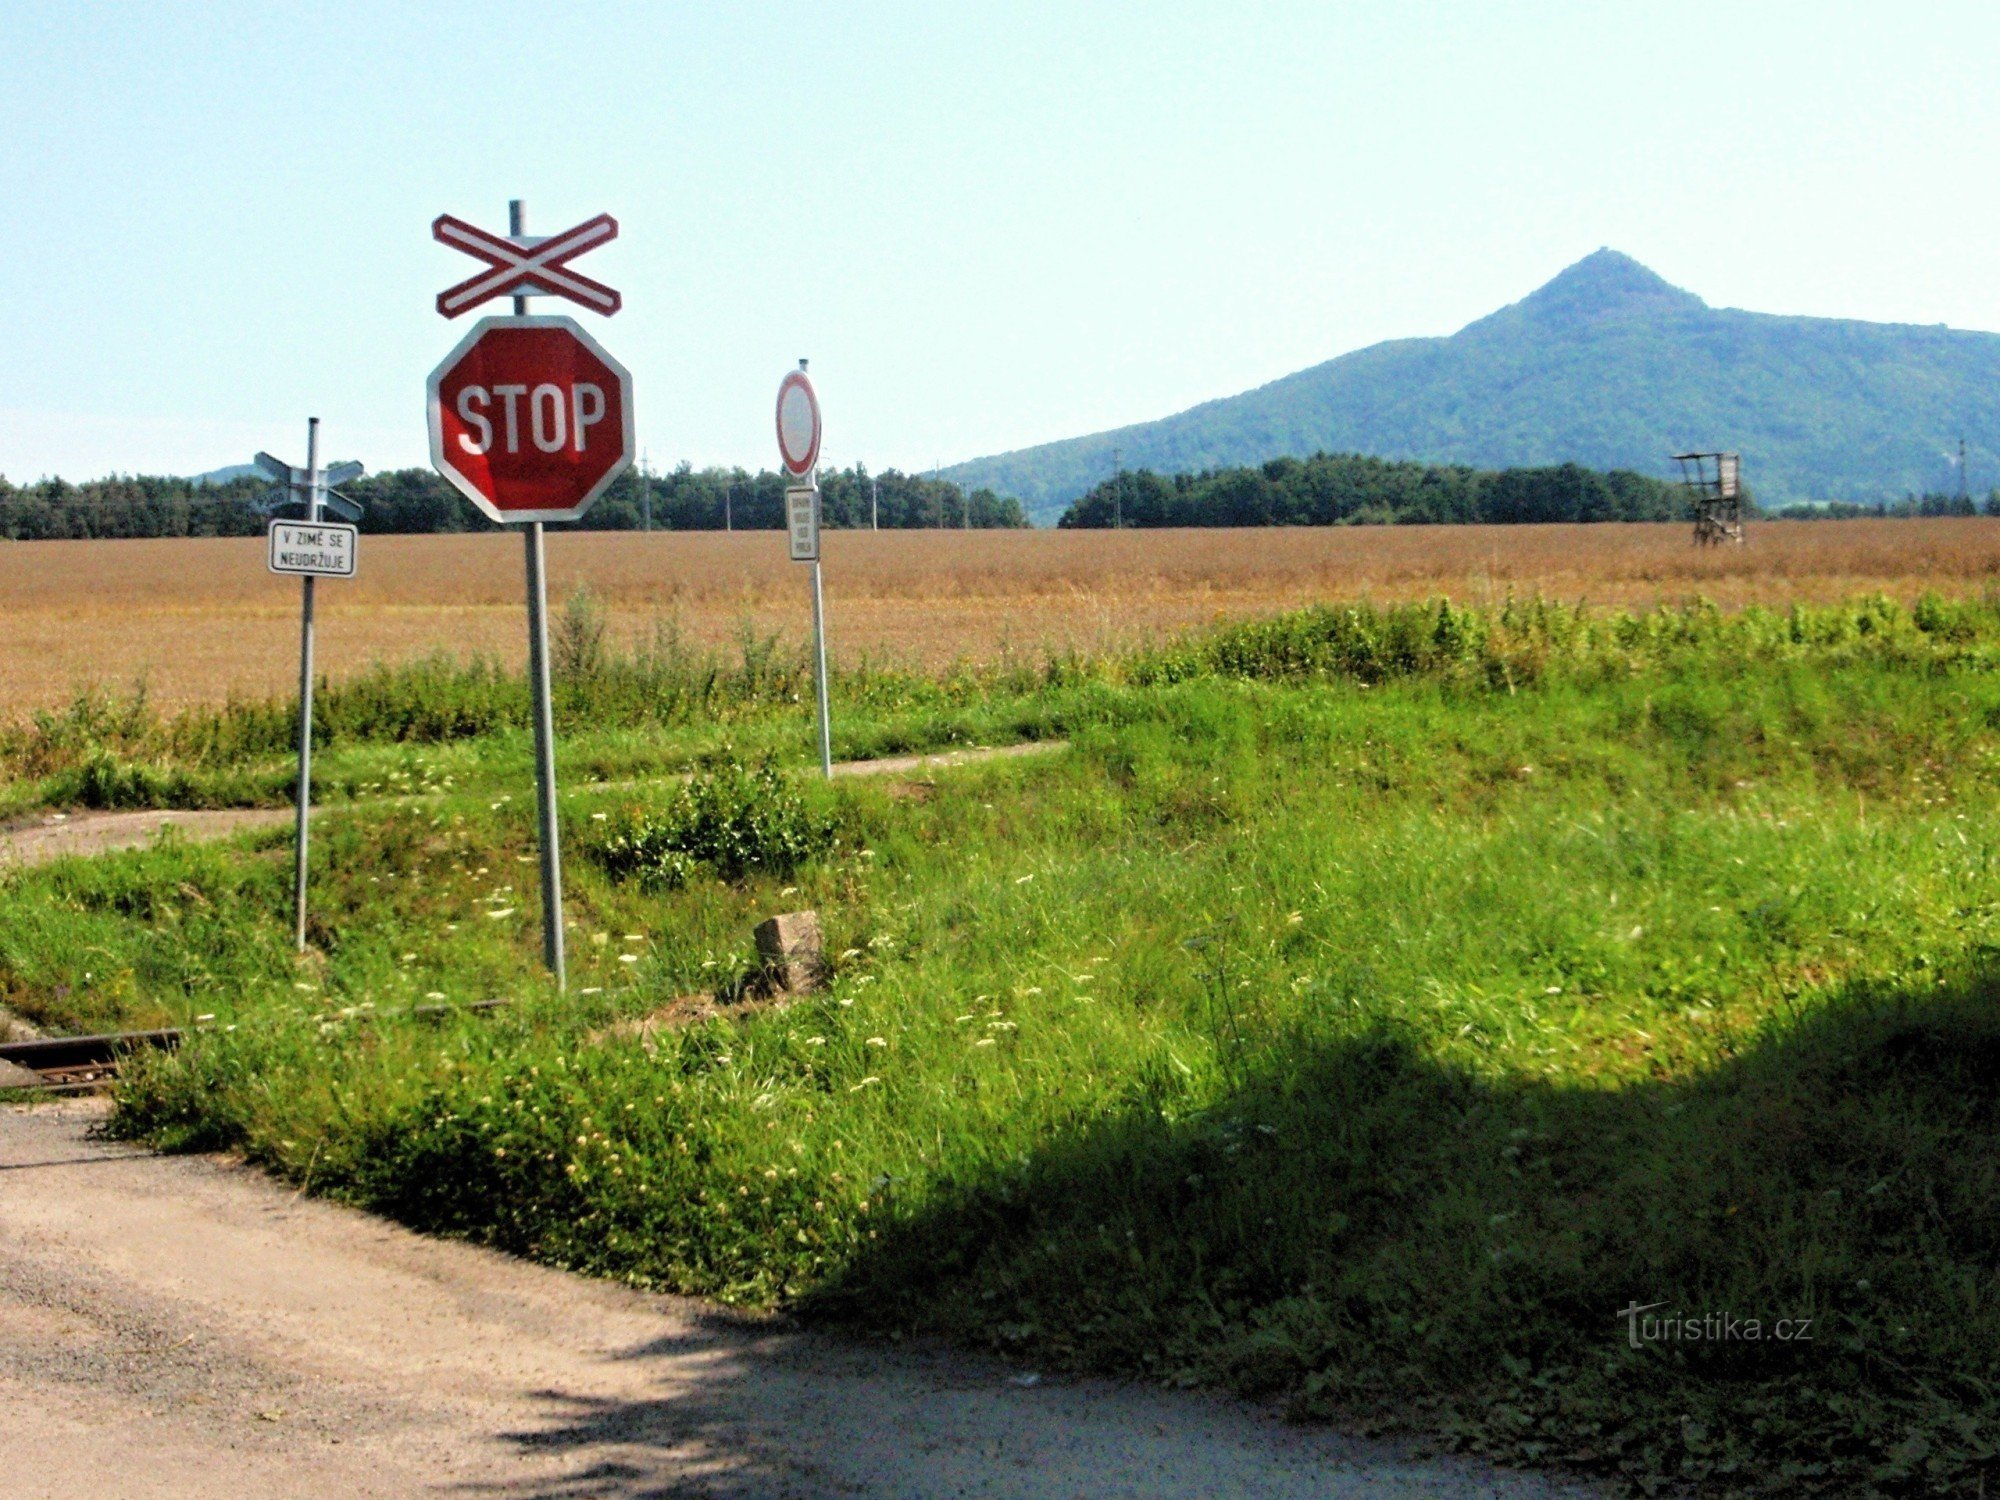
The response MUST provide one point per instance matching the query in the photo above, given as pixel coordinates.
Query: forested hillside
(1606, 366)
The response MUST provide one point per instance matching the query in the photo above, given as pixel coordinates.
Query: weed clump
(576, 645)
(732, 821)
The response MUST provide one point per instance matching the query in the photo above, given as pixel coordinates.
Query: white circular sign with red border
(798, 424)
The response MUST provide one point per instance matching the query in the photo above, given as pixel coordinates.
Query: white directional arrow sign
(296, 487)
(332, 474)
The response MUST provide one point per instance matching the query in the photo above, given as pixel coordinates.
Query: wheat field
(201, 619)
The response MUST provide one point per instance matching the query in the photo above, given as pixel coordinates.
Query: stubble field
(200, 620)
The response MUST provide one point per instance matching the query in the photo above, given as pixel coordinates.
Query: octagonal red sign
(531, 419)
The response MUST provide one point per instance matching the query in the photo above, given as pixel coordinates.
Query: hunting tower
(1714, 495)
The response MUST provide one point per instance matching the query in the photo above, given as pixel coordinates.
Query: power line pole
(1117, 490)
(646, 491)
(874, 505)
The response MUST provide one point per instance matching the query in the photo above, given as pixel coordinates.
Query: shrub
(734, 821)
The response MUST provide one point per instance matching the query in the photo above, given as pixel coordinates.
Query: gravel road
(55, 834)
(186, 1326)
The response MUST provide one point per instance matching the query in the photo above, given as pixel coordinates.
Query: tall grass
(104, 750)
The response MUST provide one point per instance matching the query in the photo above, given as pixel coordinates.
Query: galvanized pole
(874, 505)
(305, 697)
(545, 756)
(544, 714)
(819, 648)
(646, 492)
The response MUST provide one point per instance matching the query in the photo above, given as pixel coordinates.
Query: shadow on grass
(1370, 1233)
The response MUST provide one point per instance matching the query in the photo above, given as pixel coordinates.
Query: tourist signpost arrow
(798, 450)
(313, 549)
(295, 486)
(532, 420)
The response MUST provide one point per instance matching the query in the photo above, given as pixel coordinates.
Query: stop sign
(531, 419)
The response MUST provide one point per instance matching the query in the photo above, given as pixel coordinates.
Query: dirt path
(100, 832)
(183, 1327)
(56, 834)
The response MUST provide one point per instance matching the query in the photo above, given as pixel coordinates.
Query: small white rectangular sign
(325, 549)
(802, 521)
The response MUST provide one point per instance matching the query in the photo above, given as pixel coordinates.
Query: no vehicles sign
(323, 549)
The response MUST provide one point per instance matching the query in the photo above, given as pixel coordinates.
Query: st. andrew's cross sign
(526, 266)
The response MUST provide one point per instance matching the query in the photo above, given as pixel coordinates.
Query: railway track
(87, 1064)
(74, 1064)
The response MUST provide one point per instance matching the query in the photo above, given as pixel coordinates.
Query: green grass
(439, 724)
(1364, 1010)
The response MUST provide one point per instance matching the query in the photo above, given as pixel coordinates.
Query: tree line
(1326, 489)
(1349, 488)
(1934, 503)
(419, 500)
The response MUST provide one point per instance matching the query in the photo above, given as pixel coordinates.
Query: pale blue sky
(988, 226)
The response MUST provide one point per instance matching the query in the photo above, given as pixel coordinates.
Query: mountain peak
(1605, 284)
(1607, 365)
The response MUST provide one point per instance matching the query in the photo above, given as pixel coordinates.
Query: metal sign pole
(819, 646)
(547, 822)
(545, 756)
(306, 694)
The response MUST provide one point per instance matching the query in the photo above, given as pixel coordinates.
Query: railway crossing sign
(325, 550)
(531, 419)
(798, 424)
(526, 265)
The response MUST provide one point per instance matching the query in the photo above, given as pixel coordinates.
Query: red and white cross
(530, 266)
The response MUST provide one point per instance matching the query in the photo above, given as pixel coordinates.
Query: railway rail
(88, 1064)
(74, 1064)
